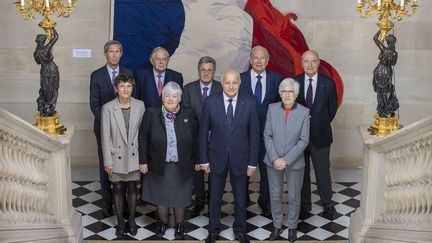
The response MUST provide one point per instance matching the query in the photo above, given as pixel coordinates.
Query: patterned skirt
(131, 176)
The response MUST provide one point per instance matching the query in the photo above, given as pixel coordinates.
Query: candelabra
(386, 10)
(47, 119)
(386, 119)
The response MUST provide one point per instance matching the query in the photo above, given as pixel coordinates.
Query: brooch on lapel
(185, 120)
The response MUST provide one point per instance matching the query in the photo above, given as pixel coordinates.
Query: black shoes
(120, 230)
(133, 229)
(179, 232)
(304, 213)
(292, 235)
(330, 213)
(107, 210)
(242, 238)
(196, 211)
(212, 238)
(275, 233)
(161, 229)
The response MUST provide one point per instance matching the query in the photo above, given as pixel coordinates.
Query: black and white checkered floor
(87, 200)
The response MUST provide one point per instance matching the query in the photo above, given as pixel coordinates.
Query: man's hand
(250, 171)
(206, 168)
(109, 169)
(279, 164)
(197, 167)
(143, 168)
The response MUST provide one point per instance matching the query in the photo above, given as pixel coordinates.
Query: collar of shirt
(110, 70)
(208, 86)
(233, 102)
(155, 75)
(314, 84)
(254, 80)
(294, 106)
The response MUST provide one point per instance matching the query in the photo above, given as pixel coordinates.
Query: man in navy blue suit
(229, 139)
(318, 93)
(150, 81)
(102, 90)
(263, 86)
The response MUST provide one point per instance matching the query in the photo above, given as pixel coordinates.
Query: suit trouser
(103, 176)
(264, 197)
(321, 163)
(217, 187)
(294, 179)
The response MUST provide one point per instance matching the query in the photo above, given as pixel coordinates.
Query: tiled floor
(86, 199)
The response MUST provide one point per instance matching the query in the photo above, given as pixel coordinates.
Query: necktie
(204, 95)
(309, 95)
(113, 76)
(159, 85)
(230, 115)
(258, 89)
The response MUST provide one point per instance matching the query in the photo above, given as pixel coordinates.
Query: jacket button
(119, 157)
(227, 148)
(133, 154)
(132, 144)
(119, 146)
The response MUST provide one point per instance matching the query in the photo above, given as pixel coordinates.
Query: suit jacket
(219, 145)
(147, 89)
(101, 91)
(120, 149)
(289, 139)
(323, 109)
(192, 96)
(153, 140)
(271, 96)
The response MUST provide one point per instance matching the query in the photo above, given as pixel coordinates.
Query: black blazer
(192, 96)
(147, 89)
(323, 109)
(152, 140)
(271, 96)
(101, 92)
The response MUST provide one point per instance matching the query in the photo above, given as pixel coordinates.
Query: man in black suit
(102, 90)
(263, 86)
(318, 93)
(228, 138)
(150, 81)
(194, 94)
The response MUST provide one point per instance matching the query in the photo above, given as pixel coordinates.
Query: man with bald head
(318, 93)
(228, 138)
(263, 86)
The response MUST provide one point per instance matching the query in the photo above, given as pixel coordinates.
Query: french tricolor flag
(223, 29)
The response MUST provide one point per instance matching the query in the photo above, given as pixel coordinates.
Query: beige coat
(118, 149)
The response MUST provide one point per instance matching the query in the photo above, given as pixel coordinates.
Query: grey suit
(120, 149)
(287, 140)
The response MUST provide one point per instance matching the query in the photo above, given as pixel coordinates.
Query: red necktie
(159, 85)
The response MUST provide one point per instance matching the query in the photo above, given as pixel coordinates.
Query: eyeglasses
(287, 92)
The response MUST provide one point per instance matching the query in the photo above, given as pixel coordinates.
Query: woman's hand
(279, 164)
(143, 168)
(109, 169)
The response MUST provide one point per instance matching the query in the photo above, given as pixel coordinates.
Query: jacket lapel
(120, 120)
(108, 81)
(318, 91)
(238, 110)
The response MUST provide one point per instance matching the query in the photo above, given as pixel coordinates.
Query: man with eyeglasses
(150, 81)
(318, 93)
(262, 85)
(194, 94)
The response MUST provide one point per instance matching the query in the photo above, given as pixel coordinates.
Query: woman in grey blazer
(286, 135)
(120, 123)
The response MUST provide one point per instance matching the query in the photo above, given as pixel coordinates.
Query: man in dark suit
(150, 81)
(318, 93)
(263, 85)
(228, 138)
(194, 94)
(102, 90)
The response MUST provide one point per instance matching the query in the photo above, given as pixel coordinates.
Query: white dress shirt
(314, 85)
(254, 80)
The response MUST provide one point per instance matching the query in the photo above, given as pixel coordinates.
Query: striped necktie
(309, 95)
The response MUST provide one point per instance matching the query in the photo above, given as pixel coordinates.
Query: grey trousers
(294, 179)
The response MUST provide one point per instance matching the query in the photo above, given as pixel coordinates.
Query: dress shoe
(133, 229)
(330, 213)
(292, 235)
(265, 210)
(275, 233)
(161, 229)
(107, 210)
(179, 231)
(304, 213)
(196, 211)
(242, 238)
(212, 238)
(120, 231)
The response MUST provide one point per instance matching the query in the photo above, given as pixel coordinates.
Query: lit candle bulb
(22, 3)
(359, 1)
(402, 3)
(379, 3)
(46, 3)
(69, 3)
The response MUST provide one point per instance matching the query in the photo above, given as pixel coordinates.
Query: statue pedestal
(50, 124)
(384, 125)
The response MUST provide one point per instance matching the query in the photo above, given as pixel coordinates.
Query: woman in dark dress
(168, 149)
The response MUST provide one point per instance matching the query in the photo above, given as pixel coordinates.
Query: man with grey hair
(262, 85)
(318, 93)
(194, 95)
(102, 90)
(150, 81)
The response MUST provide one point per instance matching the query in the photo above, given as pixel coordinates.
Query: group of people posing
(154, 132)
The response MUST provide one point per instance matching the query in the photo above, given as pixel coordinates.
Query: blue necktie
(230, 115)
(309, 95)
(258, 89)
